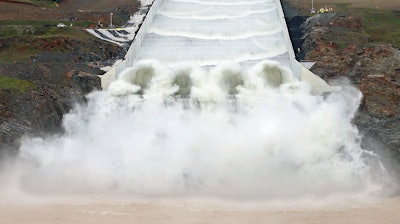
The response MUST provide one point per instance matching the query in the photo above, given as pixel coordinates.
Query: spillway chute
(187, 10)
(209, 32)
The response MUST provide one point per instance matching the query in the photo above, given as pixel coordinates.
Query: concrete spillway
(209, 32)
(207, 103)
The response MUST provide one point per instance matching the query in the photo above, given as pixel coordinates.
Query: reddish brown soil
(17, 2)
(88, 10)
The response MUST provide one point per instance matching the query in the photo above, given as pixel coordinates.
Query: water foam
(224, 2)
(215, 28)
(206, 12)
(211, 52)
(189, 131)
(207, 32)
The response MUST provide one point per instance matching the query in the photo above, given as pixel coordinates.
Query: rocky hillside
(68, 10)
(45, 69)
(305, 5)
(362, 45)
(342, 49)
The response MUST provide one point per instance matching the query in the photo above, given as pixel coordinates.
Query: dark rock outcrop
(86, 82)
(34, 111)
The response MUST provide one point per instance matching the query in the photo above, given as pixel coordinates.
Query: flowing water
(202, 112)
(158, 131)
(208, 32)
(196, 147)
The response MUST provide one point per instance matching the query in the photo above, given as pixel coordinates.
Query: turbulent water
(208, 32)
(203, 112)
(229, 134)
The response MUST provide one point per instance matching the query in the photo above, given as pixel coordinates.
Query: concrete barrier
(130, 56)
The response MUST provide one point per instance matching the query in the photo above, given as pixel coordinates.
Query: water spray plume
(230, 134)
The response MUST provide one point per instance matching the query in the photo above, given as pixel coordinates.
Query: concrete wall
(130, 56)
(294, 65)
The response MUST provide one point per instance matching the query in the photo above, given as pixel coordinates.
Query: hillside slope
(88, 10)
(45, 69)
(305, 5)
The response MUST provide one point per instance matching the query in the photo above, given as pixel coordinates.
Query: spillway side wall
(292, 57)
(137, 42)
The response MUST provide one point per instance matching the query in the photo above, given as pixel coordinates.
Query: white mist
(271, 138)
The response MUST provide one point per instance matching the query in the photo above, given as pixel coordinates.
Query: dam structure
(207, 103)
(210, 32)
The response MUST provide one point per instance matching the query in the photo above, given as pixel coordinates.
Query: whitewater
(208, 106)
(208, 32)
(193, 132)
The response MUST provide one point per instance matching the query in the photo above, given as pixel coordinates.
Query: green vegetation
(341, 44)
(6, 31)
(348, 37)
(17, 28)
(21, 39)
(382, 26)
(38, 2)
(18, 54)
(13, 84)
(43, 23)
(342, 6)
